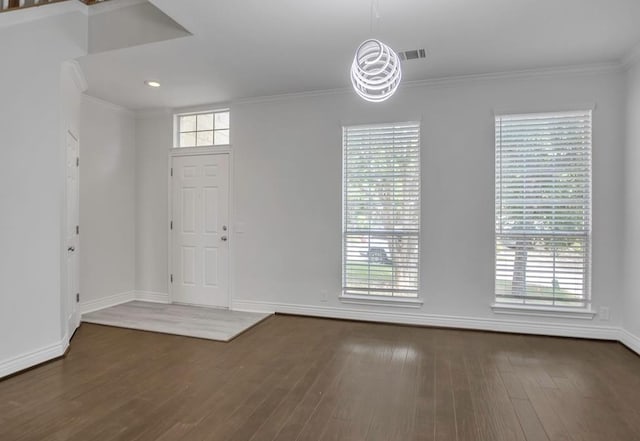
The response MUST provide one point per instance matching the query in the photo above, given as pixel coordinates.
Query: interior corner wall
(32, 186)
(632, 208)
(107, 203)
(287, 177)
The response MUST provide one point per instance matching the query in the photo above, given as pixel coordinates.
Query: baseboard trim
(31, 359)
(118, 299)
(405, 318)
(107, 302)
(154, 297)
(630, 341)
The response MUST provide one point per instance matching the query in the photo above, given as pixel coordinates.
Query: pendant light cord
(375, 16)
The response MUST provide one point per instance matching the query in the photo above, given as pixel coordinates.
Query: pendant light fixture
(376, 70)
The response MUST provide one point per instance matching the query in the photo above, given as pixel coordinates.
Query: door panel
(200, 213)
(71, 230)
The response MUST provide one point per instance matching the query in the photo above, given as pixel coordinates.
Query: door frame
(202, 151)
(72, 320)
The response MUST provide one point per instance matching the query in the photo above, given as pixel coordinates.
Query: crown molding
(632, 58)
(590, 69)
(153, 113)
(108, 104)
(587, 69)
(291, 95)
(216, 107)
(77, 74)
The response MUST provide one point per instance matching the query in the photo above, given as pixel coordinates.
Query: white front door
(200, 230)
(72, 231)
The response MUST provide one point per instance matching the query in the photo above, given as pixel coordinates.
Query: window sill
(382, 301)
(542, 311)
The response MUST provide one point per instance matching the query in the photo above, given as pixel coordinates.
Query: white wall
(32, 186)
(107, 202)
(632, 218)
(287, 180)
(137, 24)
(154, 133)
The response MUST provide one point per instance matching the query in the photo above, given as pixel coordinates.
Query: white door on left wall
(72, 230)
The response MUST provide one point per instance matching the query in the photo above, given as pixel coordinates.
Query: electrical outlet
(324, 294)
(604, 313)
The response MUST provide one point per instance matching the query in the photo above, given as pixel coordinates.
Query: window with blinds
(543, 209)
(381, 217)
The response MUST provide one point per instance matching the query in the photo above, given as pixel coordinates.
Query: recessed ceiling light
(151, 83)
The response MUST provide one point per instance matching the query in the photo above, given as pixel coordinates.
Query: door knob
(71, 249)
(223, 238)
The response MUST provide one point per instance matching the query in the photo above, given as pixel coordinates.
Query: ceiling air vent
(415, 54)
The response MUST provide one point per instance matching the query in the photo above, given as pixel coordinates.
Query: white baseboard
(30, 359)
(480, 324)
(154, 297)
(399, 317)
(118, 299)
(25, 361)
(107, 302)
(630, 341)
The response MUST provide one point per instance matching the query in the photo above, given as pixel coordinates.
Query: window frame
(585, 310)
(368, 299)
(177, 131)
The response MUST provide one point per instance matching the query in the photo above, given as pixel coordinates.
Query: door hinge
(77, 229)
(78, 297)
(171, 171)
(171, 278)
(171, 225)
(77, 161)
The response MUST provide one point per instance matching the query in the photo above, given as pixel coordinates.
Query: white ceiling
(248, 48)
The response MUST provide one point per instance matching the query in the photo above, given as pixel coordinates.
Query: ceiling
(248, 48)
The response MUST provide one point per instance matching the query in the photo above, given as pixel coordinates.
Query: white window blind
(543, 209)
(381, 218)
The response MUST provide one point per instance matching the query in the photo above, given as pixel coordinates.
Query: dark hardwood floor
(294, 378)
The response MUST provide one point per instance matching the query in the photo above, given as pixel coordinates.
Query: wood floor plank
(303, 379)
(531, 425)
(544, 408)
(445, 415)
(390, 417)
(352, 416)
(466, 423)
(425, 406)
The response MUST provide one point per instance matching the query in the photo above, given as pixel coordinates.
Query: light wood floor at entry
(190, 321)
(294, 378)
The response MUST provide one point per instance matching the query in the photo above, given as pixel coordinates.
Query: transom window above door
(204, 129)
